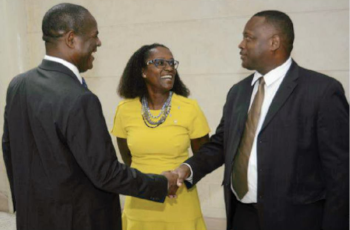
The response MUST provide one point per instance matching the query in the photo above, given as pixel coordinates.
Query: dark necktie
(84, 83)
(240, 164)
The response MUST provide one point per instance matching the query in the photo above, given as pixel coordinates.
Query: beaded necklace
(152, 121)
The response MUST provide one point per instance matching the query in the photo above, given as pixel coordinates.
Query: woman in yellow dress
(154, 126)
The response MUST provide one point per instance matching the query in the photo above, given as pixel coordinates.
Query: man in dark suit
(60, 160)
(283, 138)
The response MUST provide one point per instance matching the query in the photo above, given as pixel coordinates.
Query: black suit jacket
(302, 152)
(60, 160)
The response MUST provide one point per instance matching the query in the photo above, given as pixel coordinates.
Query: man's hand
(183, 172)
(172, 183)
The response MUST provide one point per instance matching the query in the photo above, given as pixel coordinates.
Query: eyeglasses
(161, 63)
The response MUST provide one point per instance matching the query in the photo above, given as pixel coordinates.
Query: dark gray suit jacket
(60, 160)
(302, 152)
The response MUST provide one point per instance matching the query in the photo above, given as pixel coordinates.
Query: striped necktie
(240, 164)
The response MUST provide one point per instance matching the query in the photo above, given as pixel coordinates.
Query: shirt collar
(274, 74)
(69, 65)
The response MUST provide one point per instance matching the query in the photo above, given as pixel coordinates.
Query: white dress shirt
(69, 65)
(273, 80)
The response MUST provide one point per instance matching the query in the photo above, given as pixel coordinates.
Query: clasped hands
(176, 178)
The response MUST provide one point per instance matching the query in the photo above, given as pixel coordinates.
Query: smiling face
(159, 79)
(85, 44)
(256, 46)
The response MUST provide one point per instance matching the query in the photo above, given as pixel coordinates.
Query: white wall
(202, 34)
(13, 56)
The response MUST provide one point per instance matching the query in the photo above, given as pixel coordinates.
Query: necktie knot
(261, 87)
(261, 81)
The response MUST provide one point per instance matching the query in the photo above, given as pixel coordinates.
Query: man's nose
(241, 44)
(99, 43)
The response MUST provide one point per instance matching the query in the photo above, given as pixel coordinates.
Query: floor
(8, 222)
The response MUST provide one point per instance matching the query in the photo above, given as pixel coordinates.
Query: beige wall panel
(322, 40)
(12, 62)
(138, 11)
(116, 12)
(211, 197)
(202, 47)
(216, 195)
(203, 192)
(211, 46)
(210, 193)
(204, 41)
(36, 50)
(36, 10)
(209, 211)
(4, 81)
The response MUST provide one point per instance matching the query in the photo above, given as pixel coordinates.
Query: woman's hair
(133, 85)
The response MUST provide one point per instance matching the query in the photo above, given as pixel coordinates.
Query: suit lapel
(243, 106)
(284, 91)
(58, 67)
(240, 113)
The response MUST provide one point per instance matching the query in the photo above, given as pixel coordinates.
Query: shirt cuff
(190, 178)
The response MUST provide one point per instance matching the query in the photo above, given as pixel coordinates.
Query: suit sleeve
(92, 147)
(6, 150)
(211, 155)
(333, 141)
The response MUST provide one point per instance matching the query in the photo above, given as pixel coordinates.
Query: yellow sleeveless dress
(159, 149)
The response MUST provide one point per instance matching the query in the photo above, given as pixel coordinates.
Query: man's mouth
(243, 55)
(94, 51)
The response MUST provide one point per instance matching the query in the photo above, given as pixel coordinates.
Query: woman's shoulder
(129, 101)
(184, 101)
(126, 104)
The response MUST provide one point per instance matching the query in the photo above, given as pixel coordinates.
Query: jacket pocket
(309, 198)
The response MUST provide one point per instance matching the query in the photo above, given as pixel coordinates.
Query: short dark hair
(133, 85)
(62, 18)
(283, 23)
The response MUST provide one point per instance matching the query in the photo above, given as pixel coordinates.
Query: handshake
(176, 178)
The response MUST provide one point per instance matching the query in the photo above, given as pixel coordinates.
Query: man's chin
(84, 69)
(247, 66)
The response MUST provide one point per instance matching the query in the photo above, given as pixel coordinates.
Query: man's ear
(275, 42)
(70, 39)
